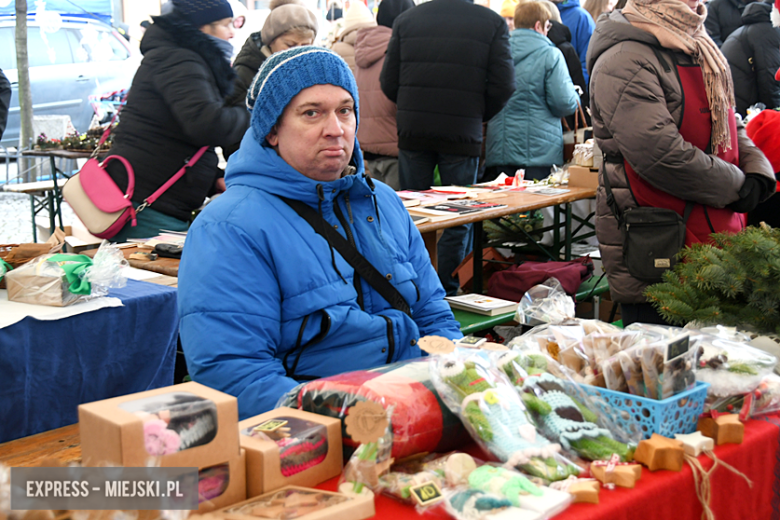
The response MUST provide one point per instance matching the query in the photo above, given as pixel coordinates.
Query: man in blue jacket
(581, 24)
(265, 301)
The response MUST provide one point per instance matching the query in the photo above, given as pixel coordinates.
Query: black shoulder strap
(353, 257)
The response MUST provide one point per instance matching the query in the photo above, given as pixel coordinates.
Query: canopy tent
(101, 9)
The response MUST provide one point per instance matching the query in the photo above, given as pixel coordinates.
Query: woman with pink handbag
(175, 107)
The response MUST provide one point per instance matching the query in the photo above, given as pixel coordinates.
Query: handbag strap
(612, 203)
(353, 257)
(110, 127)
(148, 201)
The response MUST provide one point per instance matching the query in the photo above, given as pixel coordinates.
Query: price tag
(270, 425)
(677, 347)
(426, 493)
(366, 422)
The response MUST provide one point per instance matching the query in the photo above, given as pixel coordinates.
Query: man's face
(316, 132)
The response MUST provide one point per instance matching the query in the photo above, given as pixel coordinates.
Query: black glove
(755, 189)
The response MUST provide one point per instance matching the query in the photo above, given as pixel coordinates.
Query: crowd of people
(309, 265)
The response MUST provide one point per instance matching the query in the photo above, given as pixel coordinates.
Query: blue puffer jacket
(527, 132)
(265, 303)
(581, 24)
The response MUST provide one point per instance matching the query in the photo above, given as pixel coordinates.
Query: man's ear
(272, 137)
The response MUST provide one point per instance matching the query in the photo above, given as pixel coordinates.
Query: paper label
(426, 493)
(436, 345)
(270, 426)
(677, 348)
(366, 422)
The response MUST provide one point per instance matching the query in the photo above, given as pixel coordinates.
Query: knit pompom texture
(284, 74)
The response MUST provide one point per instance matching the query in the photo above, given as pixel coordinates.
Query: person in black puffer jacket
(448, 68)
(177, 105)
(753, 52)
(723, 18)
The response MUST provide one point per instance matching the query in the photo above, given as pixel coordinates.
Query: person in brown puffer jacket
(377, 133)
(665, 142)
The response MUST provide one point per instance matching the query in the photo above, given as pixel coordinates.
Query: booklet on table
(481, 304)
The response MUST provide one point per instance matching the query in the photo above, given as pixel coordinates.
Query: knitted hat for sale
(284, 74)
(203, 12)
(284, 18)
(764, 130)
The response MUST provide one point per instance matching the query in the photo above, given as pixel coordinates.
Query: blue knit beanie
(284, 74)
(203, 12)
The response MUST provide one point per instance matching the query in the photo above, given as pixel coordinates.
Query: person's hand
(752, 192)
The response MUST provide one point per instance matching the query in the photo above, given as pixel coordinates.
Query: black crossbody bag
(353, 257)
(652, 237)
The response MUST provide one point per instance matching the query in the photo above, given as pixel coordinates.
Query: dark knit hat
(203, 12)
(284, 74)
(390, 9)
(764, 130)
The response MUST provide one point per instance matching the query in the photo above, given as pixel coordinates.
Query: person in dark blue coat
(581, 25)
(265, 301)
(527, 132)
(753, 53)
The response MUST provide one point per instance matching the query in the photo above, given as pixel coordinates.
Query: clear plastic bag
(664, 377)
(64, 279)
(631, 364)
(731, 368)
(368, 463)
(545, 303)
(563, 412)
(495, 415)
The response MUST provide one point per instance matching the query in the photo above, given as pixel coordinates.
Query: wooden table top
(515, 202)
(62, 445)
(166, 266)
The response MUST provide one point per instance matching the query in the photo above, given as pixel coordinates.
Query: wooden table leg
(430, 239)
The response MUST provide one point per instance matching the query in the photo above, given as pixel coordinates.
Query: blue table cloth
(48, 368)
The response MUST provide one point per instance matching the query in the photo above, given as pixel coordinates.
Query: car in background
(71, 58)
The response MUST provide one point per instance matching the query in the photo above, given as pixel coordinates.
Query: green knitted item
(535, 404)
(468, 382)
(477, 419)
(504, 482)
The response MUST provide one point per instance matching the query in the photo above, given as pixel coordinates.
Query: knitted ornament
(203, 12)
(500, 481)
(764, 130)
(475, 504)
(159, 440)
(300, 454)
(284, 74)
(498, 418)
(284, 18)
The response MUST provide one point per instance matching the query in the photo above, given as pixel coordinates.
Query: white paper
(13, 312)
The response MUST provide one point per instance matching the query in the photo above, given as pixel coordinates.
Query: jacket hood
(757, 12)
(612, 30)
(524, 42)
(170, 32)
(568, 4)
(559, 33)
(261, 167)
(371, 45)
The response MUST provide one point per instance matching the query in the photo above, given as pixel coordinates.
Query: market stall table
(49, 367)
(663, 495)
(514, 202)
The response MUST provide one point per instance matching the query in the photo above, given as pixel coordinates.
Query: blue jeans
(415, 172)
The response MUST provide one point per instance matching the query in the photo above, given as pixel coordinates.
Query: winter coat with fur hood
(758, 41)
(176, 105)
(377, 132)
(637, 107)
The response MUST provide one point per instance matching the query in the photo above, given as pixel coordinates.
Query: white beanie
(358, 16)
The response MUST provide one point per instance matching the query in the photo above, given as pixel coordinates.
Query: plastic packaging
(494, 414)
(64, 279)
(731, 368)
(562, 412)
(545, 303)
(368, 463)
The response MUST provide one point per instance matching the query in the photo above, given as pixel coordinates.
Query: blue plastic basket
(677, 414)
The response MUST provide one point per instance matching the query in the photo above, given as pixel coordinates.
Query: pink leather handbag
(98, 201)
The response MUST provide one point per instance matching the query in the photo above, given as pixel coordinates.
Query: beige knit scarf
(679, 28)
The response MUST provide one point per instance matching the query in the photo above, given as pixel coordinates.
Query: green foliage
(735, 281)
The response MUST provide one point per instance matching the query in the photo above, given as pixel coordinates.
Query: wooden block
(586, 491)
(724, 429)
(659, 452)
(623, 475)
(694, 443)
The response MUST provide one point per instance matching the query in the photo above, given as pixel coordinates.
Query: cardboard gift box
(187, 425)
(214, 492)
(287, 447)
(303, 504)
(582, 177)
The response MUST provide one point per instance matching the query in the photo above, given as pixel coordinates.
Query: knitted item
(473, 503)
(203, 12)
(298, 455)
(284, 74)
(500, 481)
(498, 419)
